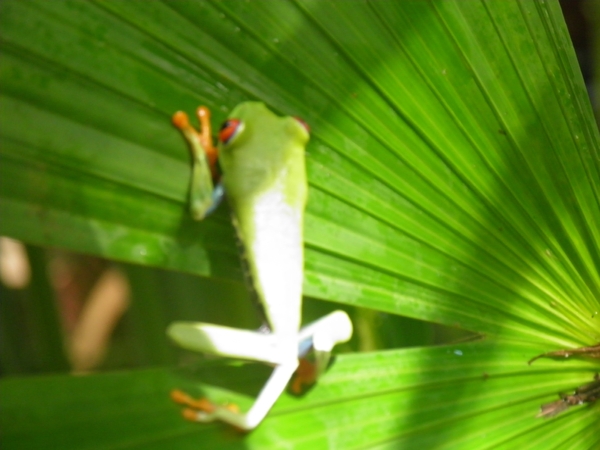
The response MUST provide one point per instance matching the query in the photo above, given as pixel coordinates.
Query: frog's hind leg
(206, 411)
(242, 344)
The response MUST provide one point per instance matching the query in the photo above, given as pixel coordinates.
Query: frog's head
(253, 127)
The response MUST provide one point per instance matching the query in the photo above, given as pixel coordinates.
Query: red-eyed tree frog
(262, 160)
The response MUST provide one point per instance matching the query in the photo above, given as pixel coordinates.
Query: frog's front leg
(280, 351)
(203, 198)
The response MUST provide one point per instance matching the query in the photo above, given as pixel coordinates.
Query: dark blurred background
(582, 18)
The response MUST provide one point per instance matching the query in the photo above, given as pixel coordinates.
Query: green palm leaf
(454, 171)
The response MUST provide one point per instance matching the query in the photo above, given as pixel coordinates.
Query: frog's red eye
(303, 123)
(229, 129)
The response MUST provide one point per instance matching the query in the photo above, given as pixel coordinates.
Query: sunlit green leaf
(454, 177)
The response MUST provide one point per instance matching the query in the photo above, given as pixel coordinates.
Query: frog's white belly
(277, 257)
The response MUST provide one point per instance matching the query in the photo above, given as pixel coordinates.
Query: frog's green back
(264, 176)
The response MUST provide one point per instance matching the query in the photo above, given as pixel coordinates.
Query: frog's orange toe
(180, 120)
(203, 113)
(181, 397)
(190, 414)
(184, 399)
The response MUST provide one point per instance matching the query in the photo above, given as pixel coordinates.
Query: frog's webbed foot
(204, 410)
(200, 410)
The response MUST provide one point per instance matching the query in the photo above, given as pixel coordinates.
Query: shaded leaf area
(453, 162)
(377, 400)
(31, 340)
